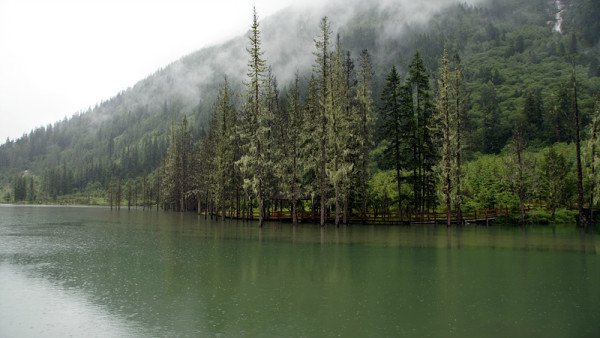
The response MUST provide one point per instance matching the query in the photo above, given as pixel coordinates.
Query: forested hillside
(508, 71)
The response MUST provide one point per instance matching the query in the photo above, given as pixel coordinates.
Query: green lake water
(75, 271)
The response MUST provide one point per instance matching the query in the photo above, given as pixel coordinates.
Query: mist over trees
(373, 120)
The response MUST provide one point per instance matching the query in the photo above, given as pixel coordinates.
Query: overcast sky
(58, 57)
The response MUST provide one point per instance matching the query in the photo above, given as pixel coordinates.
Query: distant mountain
(507, 45)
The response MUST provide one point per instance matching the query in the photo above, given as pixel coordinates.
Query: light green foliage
(555, 171)
(484, 188)
(382, 191)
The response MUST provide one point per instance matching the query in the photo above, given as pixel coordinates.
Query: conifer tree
(322, 69)
(533, 111)
(347, 98)
(339, 129)
(459, 115)
(257, 130)
(394, 121)
(491, 118)
(443, 109)
(208, 166)
(273, 145)
(224, 156)
(423, 147)
(366, 123)
(291, 161)
(178, 167)
(310, 146)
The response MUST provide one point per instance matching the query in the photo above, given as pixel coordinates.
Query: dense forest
(474, 108)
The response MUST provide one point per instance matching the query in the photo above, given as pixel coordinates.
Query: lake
(77, 271)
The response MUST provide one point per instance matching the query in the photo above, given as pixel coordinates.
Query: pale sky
(59, 57)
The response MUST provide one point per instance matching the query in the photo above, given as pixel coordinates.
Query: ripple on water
(34, 307)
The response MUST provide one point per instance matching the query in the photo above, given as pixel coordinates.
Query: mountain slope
(507, 45)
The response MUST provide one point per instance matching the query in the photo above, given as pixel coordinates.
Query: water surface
(95, 272)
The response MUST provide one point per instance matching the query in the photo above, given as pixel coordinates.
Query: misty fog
(288, 43)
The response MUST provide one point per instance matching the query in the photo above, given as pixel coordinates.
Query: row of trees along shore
(325, 144)
(312, 147)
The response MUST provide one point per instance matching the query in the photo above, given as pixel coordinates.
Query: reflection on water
(153, 273)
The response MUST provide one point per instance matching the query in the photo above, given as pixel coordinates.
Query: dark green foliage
(559, 109)
(533, 115)
(492, 135)
(19, 188)
(421, 144)
(583, 18)
(396, 112)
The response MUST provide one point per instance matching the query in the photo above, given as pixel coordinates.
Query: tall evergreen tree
(339, 129)
(272, 119)
(533, 114)
(444, 112)
(423, 147)
(490, 142)
(206, 188)
(224, 157)
(322, 70)
(460, 98)
(366, 123)
(292, 163)
(394, 111)
(257, 130)
(348, 104)
(311, 138)
(178, 167)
